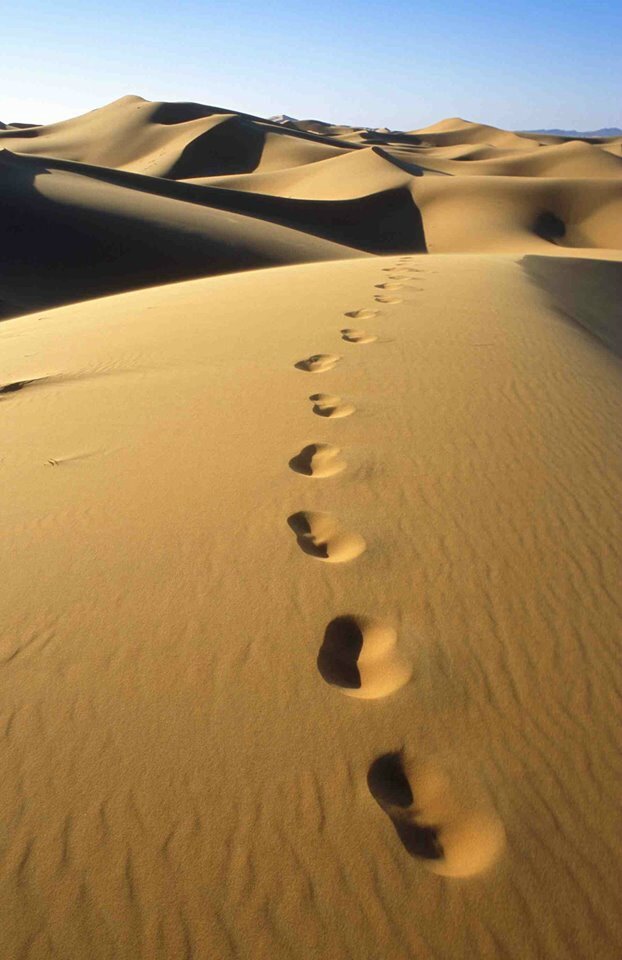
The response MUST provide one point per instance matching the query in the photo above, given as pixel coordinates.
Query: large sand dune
(310, 615)
(121, 188)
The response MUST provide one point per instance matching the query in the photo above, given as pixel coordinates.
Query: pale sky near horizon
(401, 65)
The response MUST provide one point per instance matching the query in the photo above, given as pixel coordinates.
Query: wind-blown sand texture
(310, 615)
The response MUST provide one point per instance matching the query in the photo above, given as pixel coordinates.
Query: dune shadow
(410, 166)
(14, 387)
(386, 222)
(58, 251)
(21, 133)
(585, 292)
(170, 114)
(232, 146)
(375, 137)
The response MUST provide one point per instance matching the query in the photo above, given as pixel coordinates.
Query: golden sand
(310, 616)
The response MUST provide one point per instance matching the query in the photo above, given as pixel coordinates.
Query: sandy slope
(86, 235)
(170, 140)
(182, 774)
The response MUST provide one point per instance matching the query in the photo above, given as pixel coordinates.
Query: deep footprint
(361, 314)
(326, 405)
(318, 363)
(432, 826)
(389, 285)
(318, 460)
(320, 535)
(387, 299)
(360, 656)
(389, 786)
(357, 336)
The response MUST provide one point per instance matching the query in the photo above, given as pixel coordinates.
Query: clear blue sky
(399, 63)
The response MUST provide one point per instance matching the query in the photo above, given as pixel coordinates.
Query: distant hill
(603, 132)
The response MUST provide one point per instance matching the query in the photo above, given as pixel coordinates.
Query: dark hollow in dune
(549, 227)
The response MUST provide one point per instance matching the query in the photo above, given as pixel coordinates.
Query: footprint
(318, 363)
(389, 285)
(357, 336)
(326, 405)
(453, 840)
(359, 655)
(321, 536)
(318, 460)
(387, 299)
(361, 314)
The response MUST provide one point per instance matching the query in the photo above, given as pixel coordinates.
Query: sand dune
(518, 214)
(455, 130)
(310, 620)
(349, 175)
(138, 192)
(90, 236)
(569, 160)
(174, 140)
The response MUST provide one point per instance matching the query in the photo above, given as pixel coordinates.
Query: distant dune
(140, 192)
(311, 540)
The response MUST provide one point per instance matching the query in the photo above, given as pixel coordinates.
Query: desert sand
(311, 616)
